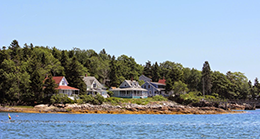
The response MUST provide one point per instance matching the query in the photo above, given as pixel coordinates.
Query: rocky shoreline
(163, 107)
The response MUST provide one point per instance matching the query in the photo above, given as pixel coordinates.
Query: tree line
(23, 73)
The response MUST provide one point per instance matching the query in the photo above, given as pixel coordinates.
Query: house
(153, 88)
(94, 86)
(130, 89)
(64, 88)
(144, 78)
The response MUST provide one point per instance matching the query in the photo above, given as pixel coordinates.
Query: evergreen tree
(194, 80)
(50, 88)
(256, 89)
(36, 79)
(155, 72)
(113, 74)
(56, 53)
(169, 84)
(74, 76)
(15, 49)
(206, 78)
(64, 62)
(148, 69)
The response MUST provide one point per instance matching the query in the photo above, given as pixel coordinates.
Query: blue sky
(225, 33)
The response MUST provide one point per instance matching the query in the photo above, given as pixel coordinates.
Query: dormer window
(94, 85)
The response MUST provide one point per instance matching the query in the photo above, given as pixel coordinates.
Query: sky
(190, 32)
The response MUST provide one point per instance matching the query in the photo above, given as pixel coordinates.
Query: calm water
(30, 125)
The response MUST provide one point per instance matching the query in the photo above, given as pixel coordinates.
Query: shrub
(95, 102)
(113, 100)
(110, 93)
(99, 98)
(80, 101)
(159, 98)
(59, 98)
(70, 101)
(87, 98)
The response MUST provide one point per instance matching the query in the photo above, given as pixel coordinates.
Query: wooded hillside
(23, 70)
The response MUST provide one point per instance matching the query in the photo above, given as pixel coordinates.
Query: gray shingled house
(129, 89)
(94, 86)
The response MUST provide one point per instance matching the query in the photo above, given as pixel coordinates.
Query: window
(62, 83)
(148, 86)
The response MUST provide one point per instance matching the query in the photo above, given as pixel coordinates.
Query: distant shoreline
(126, 109)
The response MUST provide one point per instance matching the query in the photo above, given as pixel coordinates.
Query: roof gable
(130, 84)
(89, 81)
(144, 78)
(59, 79)
(151, 85)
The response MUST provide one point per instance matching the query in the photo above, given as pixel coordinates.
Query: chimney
(86, 75)
(131, 78)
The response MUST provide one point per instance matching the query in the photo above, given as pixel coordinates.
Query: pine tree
(64, 62)
(206, 78)
(113, 74)
(50, 88)
(155, 72)
(56, 53)
(74, 76)
(169, 84)
(36, 81)
(148, 69)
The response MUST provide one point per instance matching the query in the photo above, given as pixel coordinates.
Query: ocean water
(124, 126)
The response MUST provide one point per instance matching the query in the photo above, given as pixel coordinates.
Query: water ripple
(129, 126)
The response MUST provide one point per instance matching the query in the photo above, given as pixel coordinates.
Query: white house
(94, 86)
(64, 88)
(130, 89)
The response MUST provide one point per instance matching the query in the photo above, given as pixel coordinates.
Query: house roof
(66, 88)
(162, 81)
(128, 89)
(144, 78)
(133, 84)
(150, 83)
(89, 81)
(157, 83)
(57, 79)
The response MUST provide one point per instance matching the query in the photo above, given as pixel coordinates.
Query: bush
(159, 98)
(80, 101)
(70, 101)
(113, 100)
(185, 99)
(99, 98)
(110, 93)
(59, 98)
(87, 98)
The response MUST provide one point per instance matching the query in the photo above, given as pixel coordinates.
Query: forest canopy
(23, 70)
